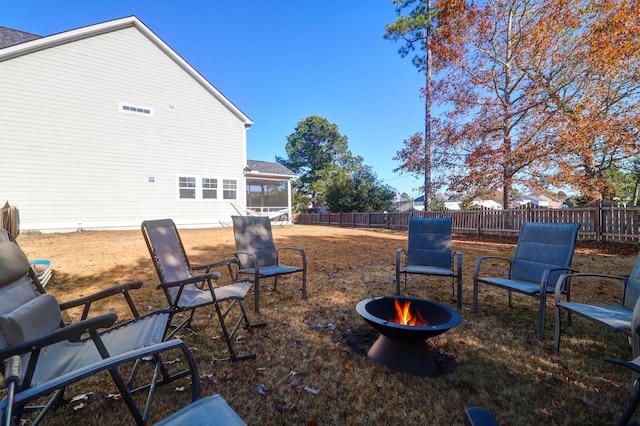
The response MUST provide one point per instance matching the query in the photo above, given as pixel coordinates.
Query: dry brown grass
(500, 364)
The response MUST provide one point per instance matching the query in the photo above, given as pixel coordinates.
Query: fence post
(599, 220)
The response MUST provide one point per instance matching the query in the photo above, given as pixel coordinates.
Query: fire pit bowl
(404, 324)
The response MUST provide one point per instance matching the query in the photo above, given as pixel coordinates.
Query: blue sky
(279, 61)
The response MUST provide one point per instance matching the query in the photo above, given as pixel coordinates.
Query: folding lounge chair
(258, 256)
(429, 252)
(624, 317)
(187, 292)
(47, 356)
(544, 251)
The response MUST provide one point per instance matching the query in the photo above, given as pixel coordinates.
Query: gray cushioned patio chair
(429, 252)
(189, 287)
(48, 355)
(258, 256)
(543, 253)
(624, 317)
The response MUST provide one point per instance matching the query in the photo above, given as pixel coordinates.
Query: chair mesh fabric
(430, 242)
(172, 263)
(253, 235)
(64, 357)
(209, 411)
(632, 291)
(543, 246)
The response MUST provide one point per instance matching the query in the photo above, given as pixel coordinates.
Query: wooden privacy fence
(599, 223)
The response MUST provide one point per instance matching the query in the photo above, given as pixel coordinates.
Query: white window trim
(199, 189)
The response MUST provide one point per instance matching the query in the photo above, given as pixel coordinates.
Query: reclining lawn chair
(258, 256)
(44, 356)
(624, 317)
(544, 251)
(187, 292)
(429, 252)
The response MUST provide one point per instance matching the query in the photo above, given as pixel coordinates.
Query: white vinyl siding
(70, 156)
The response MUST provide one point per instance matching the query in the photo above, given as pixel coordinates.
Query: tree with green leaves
(315, 151)
(359, 190)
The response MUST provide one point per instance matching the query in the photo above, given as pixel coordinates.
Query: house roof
(10, 37)
(255, 167)
(35, 43)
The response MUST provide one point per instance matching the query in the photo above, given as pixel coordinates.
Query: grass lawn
(311, 366)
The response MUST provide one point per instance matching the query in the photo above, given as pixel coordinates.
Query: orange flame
(404, 316)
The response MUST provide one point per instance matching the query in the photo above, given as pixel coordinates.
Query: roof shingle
(10, 37)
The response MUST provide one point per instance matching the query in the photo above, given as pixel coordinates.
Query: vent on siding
(138, 110)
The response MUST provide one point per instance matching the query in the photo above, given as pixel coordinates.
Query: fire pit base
(413, 357)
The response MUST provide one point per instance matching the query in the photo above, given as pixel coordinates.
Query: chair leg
(631, 406)
(256, 294)
(556, 338)
(228, 336)
(542, 316)
(474, 303)
(304, 283)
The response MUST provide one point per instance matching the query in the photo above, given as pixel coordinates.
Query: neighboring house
(539, 200)
(106, 126)
(478, 203)
(402, 204)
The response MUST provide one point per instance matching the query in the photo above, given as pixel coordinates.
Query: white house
(105, 126)
(540, 200)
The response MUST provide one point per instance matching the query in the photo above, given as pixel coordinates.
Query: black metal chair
(543, 253)
(258, 256)
(624, 317)
(429, 252)
(187, 291)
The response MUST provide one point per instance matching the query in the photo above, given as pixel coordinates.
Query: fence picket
(599, 223)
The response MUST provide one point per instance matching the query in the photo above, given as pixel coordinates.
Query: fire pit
(404, 324)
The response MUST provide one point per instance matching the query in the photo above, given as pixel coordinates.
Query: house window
(135, 109)
(229, 187)
(209, 188)
(187, 187)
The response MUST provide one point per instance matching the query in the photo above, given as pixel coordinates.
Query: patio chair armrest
(225, 262)
(564, 281)
(86, 301)
(399, 253)
(71, 332)
(196, 279)
(544, 282)
(207, 266)
(299, 250)
(629, 364)
(246, 253)
(481, 259)
(458, 256)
